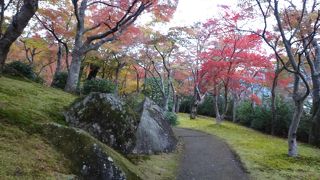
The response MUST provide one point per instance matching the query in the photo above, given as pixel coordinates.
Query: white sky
(191, 11)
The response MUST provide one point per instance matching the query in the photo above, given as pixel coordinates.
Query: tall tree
(18, 23)
(287, 29)
(60, 29)
(116, 17)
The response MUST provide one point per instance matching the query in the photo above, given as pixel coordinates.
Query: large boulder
(90, 159)
(138, 127)
(107, 118)
(154, 133)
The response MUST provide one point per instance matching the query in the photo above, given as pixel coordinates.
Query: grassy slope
(262, 155)
(29, 156)
(25, 155)
(22, 103)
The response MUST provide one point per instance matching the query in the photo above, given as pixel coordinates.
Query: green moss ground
(264, 156)
(161, 166)
(22, 102)
(25, 154)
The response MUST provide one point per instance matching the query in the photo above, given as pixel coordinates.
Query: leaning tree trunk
(165, 101)
(19, 22)
(292, 136)
(298, 110)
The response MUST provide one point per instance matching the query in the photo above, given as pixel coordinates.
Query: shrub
(60, 80)
(284, 116)
(261, 119)
(245, 113)
(18, 68)
(207, 107)
(185, 104)
(171, 117)
(39, 80)
(98, 85)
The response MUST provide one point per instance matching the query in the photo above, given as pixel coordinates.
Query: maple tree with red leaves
(234, 62)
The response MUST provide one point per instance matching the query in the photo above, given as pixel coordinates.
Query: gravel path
(206, 157)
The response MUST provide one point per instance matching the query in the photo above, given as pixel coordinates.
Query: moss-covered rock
(107, 118)
(90, 158)
(135, 125)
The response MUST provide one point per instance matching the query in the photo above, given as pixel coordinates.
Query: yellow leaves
(36, 42)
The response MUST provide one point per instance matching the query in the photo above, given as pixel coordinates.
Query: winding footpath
(206, 157)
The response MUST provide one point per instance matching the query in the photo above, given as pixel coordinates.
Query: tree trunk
(273, 110)
(195, 103)
(292, 136)
(138, 83)
(314, 135)
(234, 110)
(59, 57)
(174, 98)
(273, 101)
(94, 69)
(193, 112)
(178, 104)
(19, 22)
(116, 81)
(74, 72)
(298, 110)
(166, 102)
(216, 108)
(226, 104)
(144, 80)
(58, 67)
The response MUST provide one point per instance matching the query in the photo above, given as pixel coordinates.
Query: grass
(25, 156)
(22, 103)
(263, 156)
(159, 167)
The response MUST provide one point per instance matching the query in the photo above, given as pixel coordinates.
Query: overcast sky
(190, 11)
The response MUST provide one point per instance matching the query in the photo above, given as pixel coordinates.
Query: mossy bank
(37, 144)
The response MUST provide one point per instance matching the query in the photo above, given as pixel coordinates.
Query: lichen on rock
(90, 158)
(154, 133)
(128, 126)
(107, 118)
